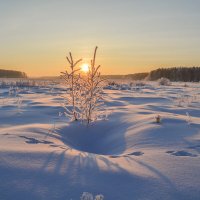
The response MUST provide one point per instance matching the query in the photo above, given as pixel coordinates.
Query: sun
(85, 68)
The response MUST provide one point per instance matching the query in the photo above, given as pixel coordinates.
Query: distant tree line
(12, 74)
(186, 74)
(136, 76)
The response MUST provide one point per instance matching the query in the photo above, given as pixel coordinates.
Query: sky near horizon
(132, 35)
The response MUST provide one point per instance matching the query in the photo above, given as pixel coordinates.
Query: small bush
(164, 81)
(84, 95)
(72, 81)
(91, 92)
(158, 119)
(89, 196)
(140, 84)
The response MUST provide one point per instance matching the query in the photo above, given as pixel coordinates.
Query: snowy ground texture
(127, 157)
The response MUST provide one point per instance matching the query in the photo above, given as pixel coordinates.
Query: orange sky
(133, 36)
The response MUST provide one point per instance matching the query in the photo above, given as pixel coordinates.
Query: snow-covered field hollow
(129, 156)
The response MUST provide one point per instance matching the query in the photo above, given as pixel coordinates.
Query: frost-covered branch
(71, 79)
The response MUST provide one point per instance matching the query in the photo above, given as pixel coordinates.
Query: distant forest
(186, 74)
(12, 74)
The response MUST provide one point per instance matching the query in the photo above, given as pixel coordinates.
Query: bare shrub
(139, 83)
(89, 196)
(84, 95)
(73, 93)
(91, 92)
(158, 119)
(164, 81)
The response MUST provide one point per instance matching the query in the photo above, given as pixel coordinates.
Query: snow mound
(98, 138)
(128, 156)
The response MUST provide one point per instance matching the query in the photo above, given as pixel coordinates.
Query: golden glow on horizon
(41, 48)
(85, 68)
(113, 62)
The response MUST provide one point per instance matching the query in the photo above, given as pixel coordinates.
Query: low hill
(136, 76)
